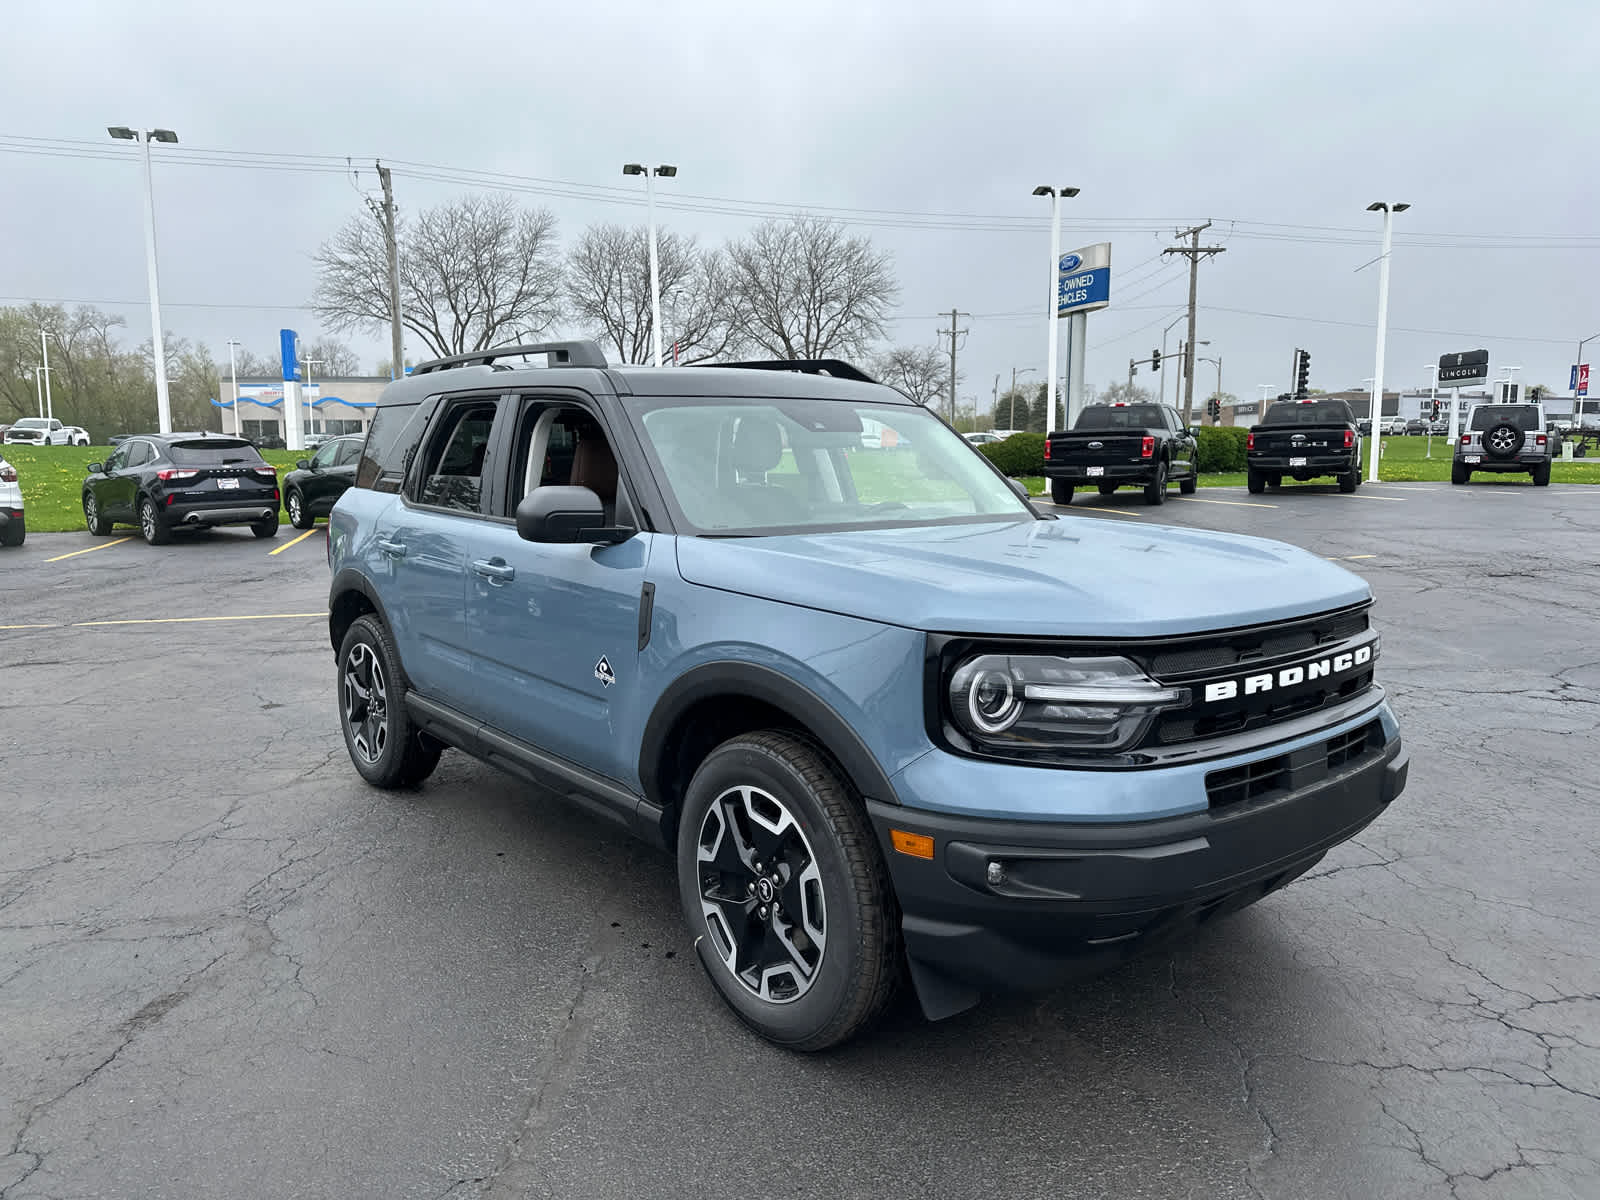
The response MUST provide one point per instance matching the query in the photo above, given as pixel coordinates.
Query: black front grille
(1244, 648)
(1257, 711)
(1268, 777)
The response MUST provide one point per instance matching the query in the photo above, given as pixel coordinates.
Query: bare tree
(332, 357)
(608, 289)
(473, 273)
(806, 289)
(920, 372)
(1124, 392)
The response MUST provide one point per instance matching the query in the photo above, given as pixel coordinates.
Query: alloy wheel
(761, 894)
(91, 512)
(366, 702)
(147, 521)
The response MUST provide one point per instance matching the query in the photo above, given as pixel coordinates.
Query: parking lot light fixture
(157, 337)
(664, 171)
(1388, 210)
(1056, 196)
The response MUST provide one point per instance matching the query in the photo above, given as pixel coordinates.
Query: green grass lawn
(52, 481)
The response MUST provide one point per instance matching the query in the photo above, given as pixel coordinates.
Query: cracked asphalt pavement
(230, 969)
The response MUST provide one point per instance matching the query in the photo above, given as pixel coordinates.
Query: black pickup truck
(1304, 439)
(1118, 445)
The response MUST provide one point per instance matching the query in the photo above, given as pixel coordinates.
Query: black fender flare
(350, 579)
(750, 680)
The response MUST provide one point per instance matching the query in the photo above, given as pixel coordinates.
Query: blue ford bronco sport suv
(890, 719)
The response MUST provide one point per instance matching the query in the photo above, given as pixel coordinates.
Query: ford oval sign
(1071, 262)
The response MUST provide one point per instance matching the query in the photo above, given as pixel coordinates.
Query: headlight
(1042, 705)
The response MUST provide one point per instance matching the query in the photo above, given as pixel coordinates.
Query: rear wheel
(16, 533)
(786, 893)
(92, 516)
(1459, 473)
(1061, 491)
(387, 749)
(1155, 492)
(299, 517)
(266, 529)
(152, 524)
(1541, 475)
(1255, 482)
(1188, 486)
(1350, 480)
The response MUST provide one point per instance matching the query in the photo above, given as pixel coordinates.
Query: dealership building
(331, 406)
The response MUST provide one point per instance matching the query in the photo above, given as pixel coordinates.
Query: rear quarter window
(392, 441)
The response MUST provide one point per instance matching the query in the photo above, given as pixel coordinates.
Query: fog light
(996, 873)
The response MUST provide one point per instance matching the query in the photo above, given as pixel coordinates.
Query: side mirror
(301, 464)
(96, 468)
(1020, 488)
(1194, 431)
(565, 514)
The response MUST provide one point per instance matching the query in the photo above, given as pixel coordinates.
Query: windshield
(213, 452)
(32, 423)
(1130, 416)
(763, 466)
(1523, 416)
(1326, 412)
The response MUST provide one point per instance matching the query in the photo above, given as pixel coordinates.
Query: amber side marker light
(917, 845)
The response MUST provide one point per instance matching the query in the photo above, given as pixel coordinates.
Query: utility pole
(952, 334)
(1194, 252)
(996, 405)
(233, 369)
(392, 246)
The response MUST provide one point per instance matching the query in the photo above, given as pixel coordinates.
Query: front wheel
(387, 749)
(1060, 491)
(786, 893)
(299, 516)
(93, 517)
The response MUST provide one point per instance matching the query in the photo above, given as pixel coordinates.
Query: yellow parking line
(1348, 557)
(1115, 512)
(1234, 503)
(91, 549)
(294, 542)
(29, 627)
(192, 620)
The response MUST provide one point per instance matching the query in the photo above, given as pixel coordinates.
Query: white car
(12, 528)
(982, 438)
(45, 431)
(1394, 426)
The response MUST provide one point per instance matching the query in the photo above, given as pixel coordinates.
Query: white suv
(1505, 437)
(12, 528)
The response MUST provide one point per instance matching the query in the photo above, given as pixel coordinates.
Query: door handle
(392, 549)
(495, 572)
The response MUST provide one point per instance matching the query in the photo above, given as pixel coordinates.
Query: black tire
(1274, 481)
(387, 750)
(1459, 473)
(299, 516)
(1060, 491)
(830, 875)
(1350, 480)
(1503, 440)
(1255, 482)
(152, 524)
(1155, 492)
(1106, 489)
(1541, 475)
(1189, 485)
(266, 529)
(16, 533)
(93, 518)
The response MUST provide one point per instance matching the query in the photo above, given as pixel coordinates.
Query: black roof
(814, 379)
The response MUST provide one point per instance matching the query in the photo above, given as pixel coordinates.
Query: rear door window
(453, 466)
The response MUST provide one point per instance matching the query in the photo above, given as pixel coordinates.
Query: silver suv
(1504, 437)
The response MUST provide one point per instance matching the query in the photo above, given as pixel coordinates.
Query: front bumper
(1072, 899)
(1075, 473)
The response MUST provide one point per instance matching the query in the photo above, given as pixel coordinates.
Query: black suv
(310, 490)
(168, 481)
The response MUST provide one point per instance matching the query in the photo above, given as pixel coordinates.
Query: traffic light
(1302, 374)
(1215, 408)
(1433, 415)
(1155, 360)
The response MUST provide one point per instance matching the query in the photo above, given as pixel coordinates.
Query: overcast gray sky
(1279, 122)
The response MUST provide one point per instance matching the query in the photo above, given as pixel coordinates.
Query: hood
(1080, 577)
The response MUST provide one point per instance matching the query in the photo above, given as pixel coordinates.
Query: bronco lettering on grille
(1322, 668)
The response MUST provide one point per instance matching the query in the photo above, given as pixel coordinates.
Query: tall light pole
(233, 369)
(308, 363)
(157, 337)
(44, 351)
(650, 173)
(1012, 423)
(1388, 210)
(1161, 380)
(1056, 196)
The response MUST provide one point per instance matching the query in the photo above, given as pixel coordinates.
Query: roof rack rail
(566, 354)
(835, 367)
